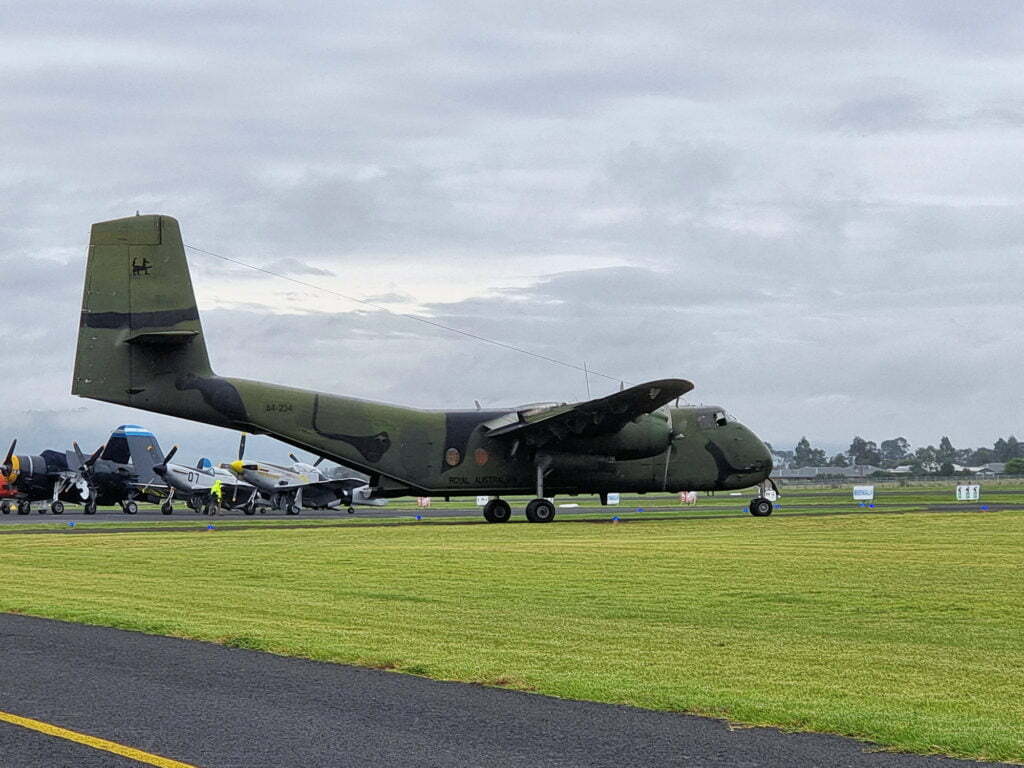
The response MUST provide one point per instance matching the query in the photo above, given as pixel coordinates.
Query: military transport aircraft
(141, 344)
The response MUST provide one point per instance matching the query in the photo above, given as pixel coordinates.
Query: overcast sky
(812, 210)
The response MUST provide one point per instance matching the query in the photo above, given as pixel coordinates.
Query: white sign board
(613, 499)
(770, 494)
(687, 497)
(422, 501)
(863, 493)
(968, 492)
(481, 501)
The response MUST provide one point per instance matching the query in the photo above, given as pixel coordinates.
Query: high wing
(603, 416)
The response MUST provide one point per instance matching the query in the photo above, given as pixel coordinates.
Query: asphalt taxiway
(188, 704)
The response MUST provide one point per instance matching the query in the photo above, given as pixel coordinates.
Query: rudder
(140, 325)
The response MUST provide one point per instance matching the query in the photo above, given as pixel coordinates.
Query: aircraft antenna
(417, 318)
(586, 377)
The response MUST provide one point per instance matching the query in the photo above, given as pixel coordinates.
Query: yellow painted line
(91, 741)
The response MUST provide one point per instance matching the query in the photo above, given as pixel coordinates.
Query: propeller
(85, 466)
(317, 462)
(672, 437)
(294, 458)
(10, 458)
(161, 468)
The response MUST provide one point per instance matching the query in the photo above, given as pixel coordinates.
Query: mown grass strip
(905, 630)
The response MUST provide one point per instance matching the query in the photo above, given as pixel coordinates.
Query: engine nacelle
(644, 436)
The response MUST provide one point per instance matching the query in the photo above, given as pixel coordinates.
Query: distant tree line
(898, 452)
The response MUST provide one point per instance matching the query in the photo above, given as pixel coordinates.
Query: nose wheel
(760, 507)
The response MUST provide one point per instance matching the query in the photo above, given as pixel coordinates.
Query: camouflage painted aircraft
(141, 344)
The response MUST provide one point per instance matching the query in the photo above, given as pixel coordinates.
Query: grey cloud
(296, 267)
(814, 207)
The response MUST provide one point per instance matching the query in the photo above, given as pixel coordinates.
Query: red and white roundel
(480, 456)
(452, 457)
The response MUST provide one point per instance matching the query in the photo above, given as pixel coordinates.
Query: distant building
(812, 473)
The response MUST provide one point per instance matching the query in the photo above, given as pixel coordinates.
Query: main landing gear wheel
(294, 509)
(89, 508)
(760, 507)
(166, 508)
(351, 511)
(130, 508)
(24, 507)
(540, 511)
(497, 511)
(5, 507)
(57, 507)
(249, 509)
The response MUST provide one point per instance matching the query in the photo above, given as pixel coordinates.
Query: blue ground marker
(615, 519)
(71, 523)
(872, 506)
(639, 509)
(419, 517)
(984, 507)
(210, 528)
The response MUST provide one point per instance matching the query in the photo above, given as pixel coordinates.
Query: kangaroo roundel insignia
(452, 457)
(480, 456)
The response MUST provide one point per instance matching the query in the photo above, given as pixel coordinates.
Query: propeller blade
(10, 452)
(241, 447)
(317, 462)
(294, 458)
(170, 455)
(95, 456)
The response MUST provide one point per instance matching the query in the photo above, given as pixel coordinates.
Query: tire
(166, 508)
(131, 508)
(57, 507)
(760, 507)
(294, 509)
(24, 507)
(540, 511)
(351, 511)
(249, 510)
(5, 507)
(497, 511)
(89, 508)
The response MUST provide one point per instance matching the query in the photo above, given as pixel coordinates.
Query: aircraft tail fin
(135, 445)
(139, 322)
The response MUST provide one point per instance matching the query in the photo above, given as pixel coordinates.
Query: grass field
(904, 629)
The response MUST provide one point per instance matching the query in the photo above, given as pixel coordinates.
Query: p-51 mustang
(302, 485)
(195, 484)
(141, 344)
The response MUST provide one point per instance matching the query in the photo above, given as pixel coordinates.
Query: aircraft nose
(236, 467)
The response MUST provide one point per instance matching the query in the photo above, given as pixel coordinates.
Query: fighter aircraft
(302, 485)
(194, 484)
(53, 476)
(118, 472)
(141, 344)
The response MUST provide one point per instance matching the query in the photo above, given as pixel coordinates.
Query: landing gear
(166, 508)
(497, 511)
(194, 504)
(24, 507)
(351, 510)
(57, 507)
(89, 508)
(760, 507)
(130, 507)
(540, 511)
(294, 509)
(5, 507)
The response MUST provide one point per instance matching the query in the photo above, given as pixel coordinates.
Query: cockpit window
(713, 419)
